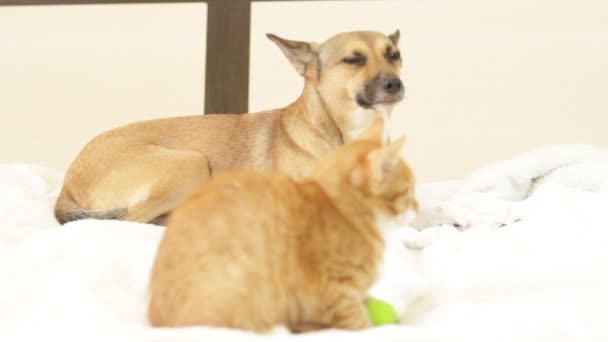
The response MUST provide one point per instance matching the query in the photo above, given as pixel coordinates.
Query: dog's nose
(392, 85)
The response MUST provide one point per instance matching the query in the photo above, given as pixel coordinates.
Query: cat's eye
(356, 59)
(393, 56)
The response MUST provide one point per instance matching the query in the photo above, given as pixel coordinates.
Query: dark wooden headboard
(227, 61)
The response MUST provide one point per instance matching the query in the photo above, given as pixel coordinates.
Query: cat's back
(235, 193)
(238, 205)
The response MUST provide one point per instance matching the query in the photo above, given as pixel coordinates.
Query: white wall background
(68, 73)
(485, 79)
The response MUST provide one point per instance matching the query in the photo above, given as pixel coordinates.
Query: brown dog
(142, 171)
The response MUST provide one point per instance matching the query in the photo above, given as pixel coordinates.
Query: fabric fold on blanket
(514, 252)
(489, 194)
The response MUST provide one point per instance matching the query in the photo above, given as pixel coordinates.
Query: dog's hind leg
(67, 210)
(139, 186)
(148, 184)
(172, 175)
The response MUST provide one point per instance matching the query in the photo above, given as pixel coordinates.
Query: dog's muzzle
(382, 89)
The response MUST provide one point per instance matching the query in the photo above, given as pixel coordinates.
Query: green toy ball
(380, 312)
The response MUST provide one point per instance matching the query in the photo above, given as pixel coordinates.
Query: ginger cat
(250, 250)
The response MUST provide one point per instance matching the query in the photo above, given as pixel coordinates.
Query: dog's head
(353, 71)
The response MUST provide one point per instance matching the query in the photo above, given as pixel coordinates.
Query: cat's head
(373, 169)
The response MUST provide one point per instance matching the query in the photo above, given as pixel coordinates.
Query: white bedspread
(532, 265)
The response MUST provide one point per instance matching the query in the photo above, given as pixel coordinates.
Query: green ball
(380, 312)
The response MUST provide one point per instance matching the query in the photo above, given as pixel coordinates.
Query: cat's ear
(394, 37)
(383, 160)
(375, 131)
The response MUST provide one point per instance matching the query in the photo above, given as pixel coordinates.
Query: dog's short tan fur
(250, 250)
(141, 171)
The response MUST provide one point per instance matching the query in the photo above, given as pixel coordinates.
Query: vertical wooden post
(227, 70)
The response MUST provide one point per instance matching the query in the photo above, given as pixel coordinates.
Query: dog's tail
(66, 210)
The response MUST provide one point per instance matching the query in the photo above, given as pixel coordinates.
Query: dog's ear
(298, 53)
(394, 37)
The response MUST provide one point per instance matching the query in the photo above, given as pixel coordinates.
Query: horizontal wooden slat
(101, 2)
(86, 2)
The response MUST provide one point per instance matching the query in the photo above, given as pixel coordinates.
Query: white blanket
(532, 265)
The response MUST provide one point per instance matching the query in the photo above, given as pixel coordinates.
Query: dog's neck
(309, 121)
(349, 119)
(335, 126)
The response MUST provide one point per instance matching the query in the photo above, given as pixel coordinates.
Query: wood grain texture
(86, 2)
(102, 2)
(227, 71)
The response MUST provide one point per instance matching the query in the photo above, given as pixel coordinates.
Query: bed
(516, 251)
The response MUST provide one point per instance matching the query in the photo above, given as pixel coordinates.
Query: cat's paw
(279, 330)
(432, 217)
(304, 327)
(350, 315)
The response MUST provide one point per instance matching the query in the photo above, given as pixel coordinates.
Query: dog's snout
(392, 85)
(382, 89)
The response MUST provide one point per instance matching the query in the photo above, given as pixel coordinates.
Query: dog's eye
(355, 60)
(393, 56)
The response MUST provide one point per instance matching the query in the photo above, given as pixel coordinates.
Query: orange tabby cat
(251, 250)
